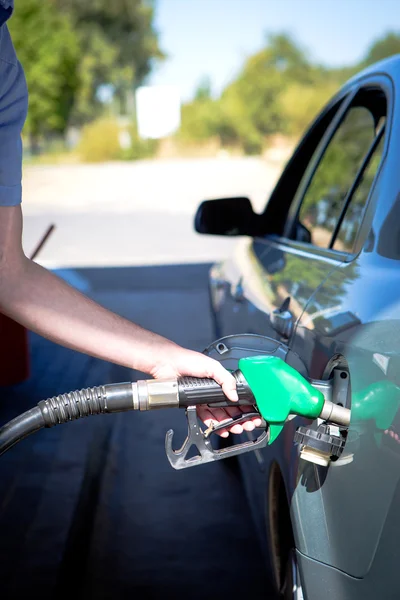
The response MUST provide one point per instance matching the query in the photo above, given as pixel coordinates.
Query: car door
(353, 317)
(265, 287)
(324, 204)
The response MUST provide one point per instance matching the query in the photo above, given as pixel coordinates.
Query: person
(45, 304)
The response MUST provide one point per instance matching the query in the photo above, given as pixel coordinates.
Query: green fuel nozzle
(379, 402)
(281, 391)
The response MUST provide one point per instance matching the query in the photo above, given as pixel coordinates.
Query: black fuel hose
(67, 407)
(143, 395)
(19, 428)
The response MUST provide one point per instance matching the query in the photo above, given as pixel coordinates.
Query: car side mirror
(227, 216)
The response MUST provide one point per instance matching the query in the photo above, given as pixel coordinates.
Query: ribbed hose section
(115, 397)
(74, 405)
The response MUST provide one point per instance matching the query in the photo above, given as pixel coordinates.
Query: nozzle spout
(335, 413)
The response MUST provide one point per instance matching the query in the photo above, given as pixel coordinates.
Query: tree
(382, 48)
(48, 49)
(204, 89)
(301, 103)
(96, 68)
(251, 105)
(201, 116)
(119, 46)
(200, 120)
(70, 49)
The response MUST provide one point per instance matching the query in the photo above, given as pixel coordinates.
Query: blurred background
(248, 76)
(175, 101)
(183, 101)
(138, 111)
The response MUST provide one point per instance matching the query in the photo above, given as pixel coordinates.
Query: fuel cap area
(320, 446)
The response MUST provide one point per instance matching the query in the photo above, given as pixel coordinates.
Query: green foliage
(383, 48)
(100, 141)
(261, 101)
(200, 120)
(48, 49)
(139, 148)
(300, 103)
(252, 103)
(339, 165)
(127, 26)
(70, 48)
(119, 45)
(278, 90)
(203, 91)
(95, 68)
(324, 198)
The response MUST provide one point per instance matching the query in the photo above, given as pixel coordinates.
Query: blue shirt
(6, 10)
(13, 109)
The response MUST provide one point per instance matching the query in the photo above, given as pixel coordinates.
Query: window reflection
(352, 220)
(323, 201)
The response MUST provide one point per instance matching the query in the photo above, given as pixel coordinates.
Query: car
(318, 272)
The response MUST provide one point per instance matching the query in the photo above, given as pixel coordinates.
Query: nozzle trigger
(196, 437)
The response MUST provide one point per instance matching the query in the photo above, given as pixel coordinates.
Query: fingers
(247, 425)
(229, 388)
(219, 415)
(226, 381)
(256, 420)
(213, 369)
(207, 417)
(198, 365)
(235, 412)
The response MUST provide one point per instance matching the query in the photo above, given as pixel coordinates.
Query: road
(135, 213)
(92, 510)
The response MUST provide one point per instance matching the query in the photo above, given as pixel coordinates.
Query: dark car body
(328, 240)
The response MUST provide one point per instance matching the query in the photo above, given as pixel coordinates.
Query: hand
(178, 362)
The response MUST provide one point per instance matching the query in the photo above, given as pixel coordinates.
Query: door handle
(282, 319)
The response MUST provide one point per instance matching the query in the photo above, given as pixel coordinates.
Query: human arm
(47, 305)
(44, 303)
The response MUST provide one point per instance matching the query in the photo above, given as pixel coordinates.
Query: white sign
(158, 110)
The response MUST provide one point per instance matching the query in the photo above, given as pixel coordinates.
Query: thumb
(226, 381)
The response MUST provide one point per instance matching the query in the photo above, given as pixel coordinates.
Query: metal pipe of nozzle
(155, 393)
(333, 413)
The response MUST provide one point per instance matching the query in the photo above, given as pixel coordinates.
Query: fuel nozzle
(267, 384)
(281, 391)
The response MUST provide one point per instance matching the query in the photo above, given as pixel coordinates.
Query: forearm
(47, 305)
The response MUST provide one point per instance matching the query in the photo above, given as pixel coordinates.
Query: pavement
(135, 213)
(92, 509)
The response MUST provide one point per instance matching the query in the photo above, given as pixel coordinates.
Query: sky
(214, 37)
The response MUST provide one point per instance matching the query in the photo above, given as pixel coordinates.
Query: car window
(323, 201)
(350, 225)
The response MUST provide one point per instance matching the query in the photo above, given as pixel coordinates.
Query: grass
(53, 158)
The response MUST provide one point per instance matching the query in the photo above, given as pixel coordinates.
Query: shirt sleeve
(13, 109)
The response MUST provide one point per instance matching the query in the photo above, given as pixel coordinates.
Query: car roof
(388, 66)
